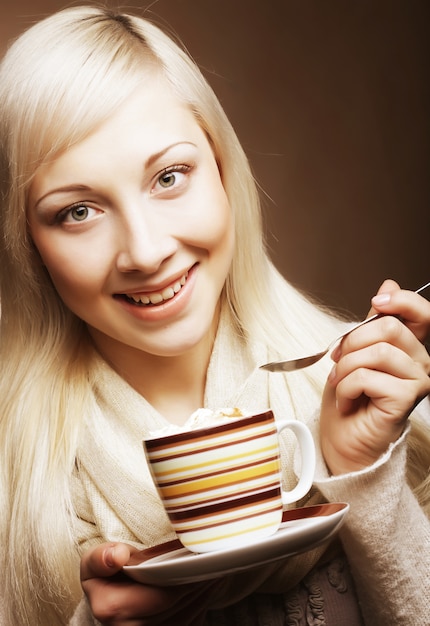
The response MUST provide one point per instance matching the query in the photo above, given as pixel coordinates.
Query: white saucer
(301, 529)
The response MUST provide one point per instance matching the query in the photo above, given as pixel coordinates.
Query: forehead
(150, 120)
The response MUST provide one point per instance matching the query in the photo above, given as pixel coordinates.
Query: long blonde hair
(62, 78)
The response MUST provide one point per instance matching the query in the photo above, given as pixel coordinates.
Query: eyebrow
(148, 163)
(155, 157)
(66, 189)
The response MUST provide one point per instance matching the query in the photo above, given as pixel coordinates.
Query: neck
(174, 386)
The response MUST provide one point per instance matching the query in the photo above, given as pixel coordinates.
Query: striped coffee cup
(221, 485)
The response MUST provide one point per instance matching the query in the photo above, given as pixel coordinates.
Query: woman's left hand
(381, 372)
(117, 600)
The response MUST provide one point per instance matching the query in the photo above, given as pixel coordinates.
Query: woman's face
(135, 229)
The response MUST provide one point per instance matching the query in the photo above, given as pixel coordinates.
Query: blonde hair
(61, 78)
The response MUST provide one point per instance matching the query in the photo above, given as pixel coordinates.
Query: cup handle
(307, 450)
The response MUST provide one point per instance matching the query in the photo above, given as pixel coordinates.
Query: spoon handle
(294, 364)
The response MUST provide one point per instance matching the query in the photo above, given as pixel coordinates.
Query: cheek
(72, 274)
(215, 224)
(223, 232)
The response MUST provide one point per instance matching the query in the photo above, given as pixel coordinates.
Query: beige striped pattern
(220, 485)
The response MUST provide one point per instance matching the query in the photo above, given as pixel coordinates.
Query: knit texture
(386, 537)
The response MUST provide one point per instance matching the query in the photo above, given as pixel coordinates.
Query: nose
(144, 243)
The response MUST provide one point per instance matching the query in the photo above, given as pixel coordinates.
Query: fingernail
(381, 299)
(332, 374)
(108, 556)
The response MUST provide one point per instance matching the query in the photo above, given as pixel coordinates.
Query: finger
(156, 603)
(413, 309)
(113, 596)
(394, 398)
(124, 601)
(388, 287)
(382, 357)
(104, 560)
(388, 330)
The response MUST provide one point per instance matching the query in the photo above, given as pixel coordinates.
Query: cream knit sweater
(386, 536)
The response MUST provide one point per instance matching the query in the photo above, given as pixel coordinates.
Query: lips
(157, 297)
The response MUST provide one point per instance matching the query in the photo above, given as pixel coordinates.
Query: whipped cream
(202, 418)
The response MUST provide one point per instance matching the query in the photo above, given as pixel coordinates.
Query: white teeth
(158, 297)
(140, 299)
(167, 293)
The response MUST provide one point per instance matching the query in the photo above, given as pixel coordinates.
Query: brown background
(331, 101)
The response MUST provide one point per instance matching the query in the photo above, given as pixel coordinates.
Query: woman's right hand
(381, 373)
(117, 600)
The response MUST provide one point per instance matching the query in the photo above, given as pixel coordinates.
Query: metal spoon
(296, 364)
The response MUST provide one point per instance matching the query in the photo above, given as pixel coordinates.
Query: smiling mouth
(156, 297)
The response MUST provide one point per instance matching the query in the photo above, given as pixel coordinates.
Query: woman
(135, 288)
